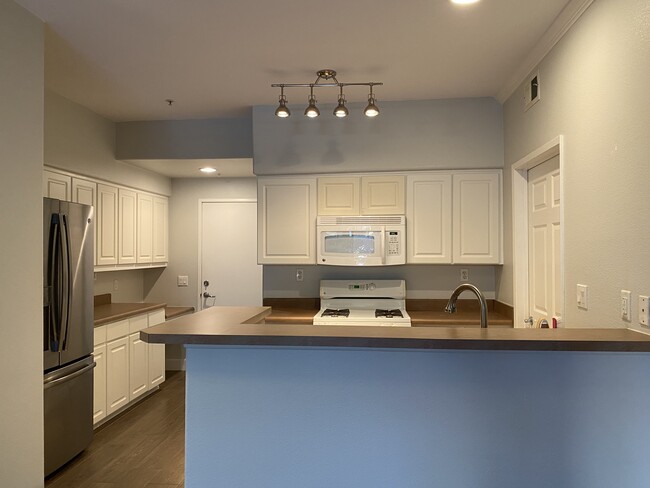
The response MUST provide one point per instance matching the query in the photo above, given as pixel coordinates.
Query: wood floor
(144, 447)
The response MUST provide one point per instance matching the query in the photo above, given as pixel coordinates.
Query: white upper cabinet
(127, 226)
(84, 191)
(339, 195)
(477, 224)
(286, 220)
(106, 224)
(382, 195)
(145, 228)
(56, 185)
(428, 218)
(160, 229)
(361, 195)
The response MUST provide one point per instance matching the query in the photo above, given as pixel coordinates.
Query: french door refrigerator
(68, 244)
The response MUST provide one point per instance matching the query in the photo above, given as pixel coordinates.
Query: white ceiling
(189, 168)
(218, 58)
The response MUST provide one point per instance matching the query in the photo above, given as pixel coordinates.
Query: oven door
(351, 246)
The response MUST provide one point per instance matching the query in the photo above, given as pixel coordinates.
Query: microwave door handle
(382, 245)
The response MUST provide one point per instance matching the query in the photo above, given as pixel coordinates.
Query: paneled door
(228, 256)
(544, 287)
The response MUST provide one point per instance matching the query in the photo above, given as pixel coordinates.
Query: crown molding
(560, 26)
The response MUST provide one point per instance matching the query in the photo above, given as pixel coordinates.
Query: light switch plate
(626, 305)
(582, 296)
(644, 313)
(182, 281)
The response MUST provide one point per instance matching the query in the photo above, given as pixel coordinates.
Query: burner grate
(389, 314)
(336, 312)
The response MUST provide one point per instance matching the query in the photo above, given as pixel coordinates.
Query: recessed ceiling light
(207, 169)
(464, 2)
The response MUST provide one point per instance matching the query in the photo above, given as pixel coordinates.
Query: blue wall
(408, 135)
(281, 417)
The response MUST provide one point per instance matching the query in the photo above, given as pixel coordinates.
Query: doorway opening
(531, 290)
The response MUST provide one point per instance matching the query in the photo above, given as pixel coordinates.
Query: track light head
(312, 110)
(341, 110)
(371, 109)
(282, 110)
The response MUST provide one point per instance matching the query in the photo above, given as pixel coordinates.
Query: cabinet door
(156, 352)
(286, 221)
(138, 366)
(117, 374)
(428, 218)
(160, 231)
(99, 383)
(127, 227)
(382, 195)
(85, 192)
(56, 185)
(106, 224)
(338, 195)
(145, 228)
(477, 217)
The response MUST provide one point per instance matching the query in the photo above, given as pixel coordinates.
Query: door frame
(555, 147)
(201, 201)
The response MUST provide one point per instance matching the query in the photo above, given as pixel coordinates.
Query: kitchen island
(271, 405)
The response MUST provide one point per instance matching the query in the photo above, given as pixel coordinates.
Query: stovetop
(359, 303)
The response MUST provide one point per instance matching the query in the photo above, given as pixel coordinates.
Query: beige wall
(594, 92)
(160, 285)
(82, 142)
(21, 330)
(130, 285)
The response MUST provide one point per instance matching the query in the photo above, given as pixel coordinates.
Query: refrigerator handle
(53, 314)
(66, 282)
(51, 383)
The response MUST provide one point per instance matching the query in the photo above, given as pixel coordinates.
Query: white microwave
(364, 240)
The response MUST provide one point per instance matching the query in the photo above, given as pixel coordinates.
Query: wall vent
(531, 91)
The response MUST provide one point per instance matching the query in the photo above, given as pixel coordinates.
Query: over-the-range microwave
(364, 240)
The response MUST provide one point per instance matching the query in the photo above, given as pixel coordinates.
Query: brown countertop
(111, 312)
(239, 326)
(173, 312)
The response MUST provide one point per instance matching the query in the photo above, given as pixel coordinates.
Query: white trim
(560, 26)
(200, 237)
(520, 225)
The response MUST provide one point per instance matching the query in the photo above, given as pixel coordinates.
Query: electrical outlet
(626, 304)
(116, 285)
(300, 275)
(582, 296)
(644, 313)
(464, 275)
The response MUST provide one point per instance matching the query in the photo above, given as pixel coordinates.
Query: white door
(229, 254)
(544, 287)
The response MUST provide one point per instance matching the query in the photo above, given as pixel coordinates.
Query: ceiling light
(341, 110)
(207, 169)
(282, 110)
(312, 110)
(464, 2)
(371, 109)
(323, 78)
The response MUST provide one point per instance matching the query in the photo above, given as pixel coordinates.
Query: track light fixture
(282, 110)
(323, 80)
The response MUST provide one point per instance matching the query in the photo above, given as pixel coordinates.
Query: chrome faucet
(451, 304)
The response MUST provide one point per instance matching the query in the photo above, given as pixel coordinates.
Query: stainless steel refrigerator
(68, 244)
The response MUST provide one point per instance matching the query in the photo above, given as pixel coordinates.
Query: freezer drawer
(68, 407)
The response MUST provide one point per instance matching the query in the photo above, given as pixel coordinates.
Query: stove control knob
(372, 286)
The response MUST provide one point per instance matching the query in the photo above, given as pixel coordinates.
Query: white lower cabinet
(99, 384)
(126, 367)
(156, 352)
(117, 374)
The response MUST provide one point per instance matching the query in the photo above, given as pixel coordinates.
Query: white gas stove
(364, 302)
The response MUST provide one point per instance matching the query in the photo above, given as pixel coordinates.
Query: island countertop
(239, 326)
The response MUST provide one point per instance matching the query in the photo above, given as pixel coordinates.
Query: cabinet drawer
(156, 317)
(117, 329)
(99, 335)
(137, 323)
